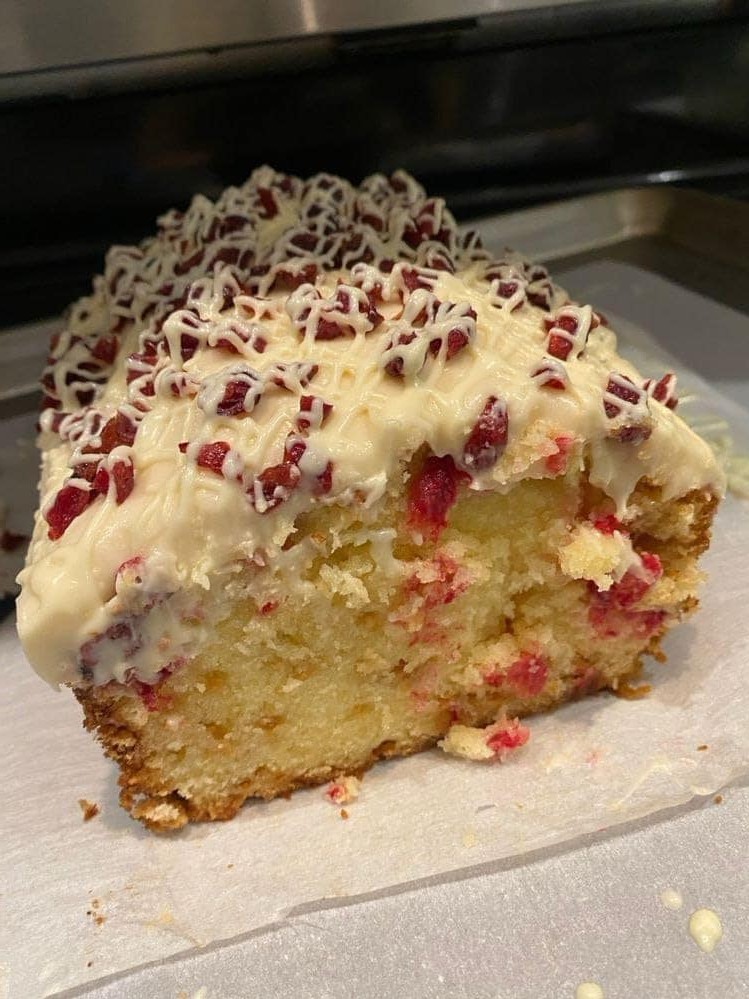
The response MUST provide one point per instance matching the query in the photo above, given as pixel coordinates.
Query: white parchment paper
(83, 900)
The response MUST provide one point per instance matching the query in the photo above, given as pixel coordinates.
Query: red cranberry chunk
(433, 491)
(529, 674)
(313, 412)
(277, 483)
(233, 400)
(623, 388)
(124, 480)
(267, 199)
(323, 483)
(105, 349)
(120, 429)
(663, 390)
(607, 523)
(211, 456)
(68, 504)
(488, 439)
(559, 346)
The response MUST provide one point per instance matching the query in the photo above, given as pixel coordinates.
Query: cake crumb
(89, 808)
(344, 813)
(229, 866)
(702, 748)
(630, 693)
(491, 743)
(470, 839)
(718, 799)
(343, 791)
(98, 917)
(672, 899)
(89, 964)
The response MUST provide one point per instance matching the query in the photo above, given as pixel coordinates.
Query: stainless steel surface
(38, 35)
(698, 240)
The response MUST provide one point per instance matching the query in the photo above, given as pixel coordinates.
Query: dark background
(493, 119)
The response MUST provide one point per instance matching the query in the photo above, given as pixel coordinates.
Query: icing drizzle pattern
(291, 344)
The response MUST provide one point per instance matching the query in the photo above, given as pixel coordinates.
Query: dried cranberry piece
(488, 439)
(211, 456)
(289, 280)
(632, 587)
(559, 346)
(188, 345)
(123, 476)
(233, 401)
(504, 739)
(119, 429)
(232, 223)
(293, 450)
(623, 388)
(183, 266)
(313, 412)
(607, 523)
(663, 390)
(85, 396)
(394, 366)
(413, 279)
(138, 365)
(124, 480)
(267, 199)
(633, 434)
(324, 481)
(433, 491)
(86, 470)
(105, 349)
(69, 503)
(634, 400)
(276, 483)
(551, 374)
(226, 255)
(456, 340)
(327, 329)
(306, 241)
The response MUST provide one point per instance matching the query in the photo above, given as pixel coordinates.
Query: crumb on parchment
(90, 809)
(343, 791)
(494, 742)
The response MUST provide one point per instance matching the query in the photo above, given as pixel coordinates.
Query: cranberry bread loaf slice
(324, 481)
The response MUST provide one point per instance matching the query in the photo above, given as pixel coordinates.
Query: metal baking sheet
(697, 240)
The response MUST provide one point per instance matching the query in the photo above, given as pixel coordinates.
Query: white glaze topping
(706, 929)
(291, 345)
(589, 990)
(672, 899)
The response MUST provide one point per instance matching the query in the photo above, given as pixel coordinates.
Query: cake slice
(325, 482)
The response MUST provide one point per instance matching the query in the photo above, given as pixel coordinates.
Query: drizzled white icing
(292, 345)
